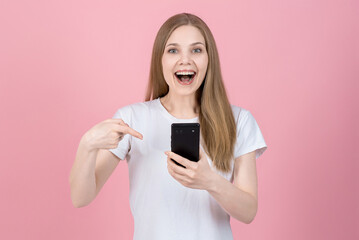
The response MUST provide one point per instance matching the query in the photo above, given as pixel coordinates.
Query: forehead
(185, 35)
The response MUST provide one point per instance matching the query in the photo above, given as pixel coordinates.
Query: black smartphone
(185, 141)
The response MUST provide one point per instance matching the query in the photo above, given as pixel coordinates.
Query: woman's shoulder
(137, 107)
(239, 112)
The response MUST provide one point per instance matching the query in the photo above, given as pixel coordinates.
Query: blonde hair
(218, 127)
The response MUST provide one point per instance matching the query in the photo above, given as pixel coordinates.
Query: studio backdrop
(68, 65)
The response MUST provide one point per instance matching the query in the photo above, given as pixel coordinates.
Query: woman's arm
(91, 170)
(82, 176)
(239, 199)
(94, 163)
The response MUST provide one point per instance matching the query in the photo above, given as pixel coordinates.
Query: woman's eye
(197, 50)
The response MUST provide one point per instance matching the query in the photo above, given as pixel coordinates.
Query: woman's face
(185, 60)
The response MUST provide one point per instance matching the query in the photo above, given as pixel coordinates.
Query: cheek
(169, 60)
(164, 66)
(203, 70)
(202, 63)
(205, 63)
(168, 66)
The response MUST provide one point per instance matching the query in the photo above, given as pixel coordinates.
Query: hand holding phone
(185, 140)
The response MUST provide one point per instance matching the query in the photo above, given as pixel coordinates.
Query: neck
(184, 107)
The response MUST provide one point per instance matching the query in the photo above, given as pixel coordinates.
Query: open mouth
(185, 77)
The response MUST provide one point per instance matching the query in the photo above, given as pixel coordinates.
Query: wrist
(213, 182)
(86, 143)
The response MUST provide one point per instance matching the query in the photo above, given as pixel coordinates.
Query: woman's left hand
(197, 175)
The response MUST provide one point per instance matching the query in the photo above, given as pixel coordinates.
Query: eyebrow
(176, 44)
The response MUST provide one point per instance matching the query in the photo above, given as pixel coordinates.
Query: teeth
(185, 73)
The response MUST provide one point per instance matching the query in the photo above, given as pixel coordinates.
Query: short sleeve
(249, 136)
(123, 146)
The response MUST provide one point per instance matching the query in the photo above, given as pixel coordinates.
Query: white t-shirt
(163, 208)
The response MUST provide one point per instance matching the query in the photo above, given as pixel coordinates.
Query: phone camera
(192, 130)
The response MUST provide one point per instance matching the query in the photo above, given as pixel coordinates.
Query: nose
(185, 59)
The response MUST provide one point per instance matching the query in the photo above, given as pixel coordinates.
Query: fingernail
(167, 153)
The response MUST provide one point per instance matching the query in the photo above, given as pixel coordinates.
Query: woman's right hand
(107, 134)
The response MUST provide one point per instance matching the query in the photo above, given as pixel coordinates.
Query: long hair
(218, 127)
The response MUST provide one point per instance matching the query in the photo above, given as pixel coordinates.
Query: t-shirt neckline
(165, 112)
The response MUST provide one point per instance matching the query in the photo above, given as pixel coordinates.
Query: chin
(184, 93)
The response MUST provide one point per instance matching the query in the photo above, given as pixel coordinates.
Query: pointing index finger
(133, 132)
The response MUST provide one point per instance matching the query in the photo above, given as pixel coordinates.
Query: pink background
(67, 65)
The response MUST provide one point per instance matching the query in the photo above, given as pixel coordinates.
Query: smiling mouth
(185, 78)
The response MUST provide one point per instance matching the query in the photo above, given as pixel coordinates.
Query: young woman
(168, 201)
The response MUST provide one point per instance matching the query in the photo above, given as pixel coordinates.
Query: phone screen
(185, 140)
